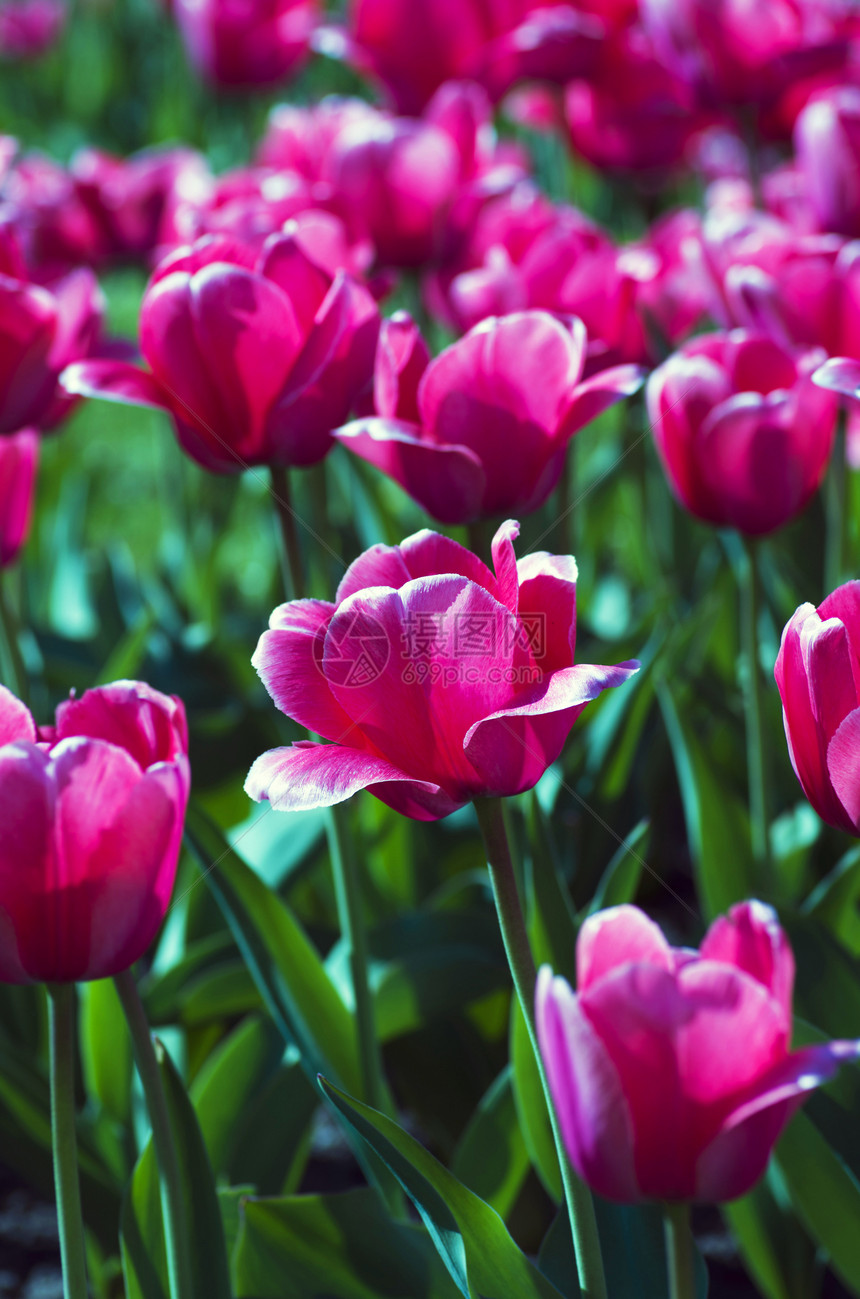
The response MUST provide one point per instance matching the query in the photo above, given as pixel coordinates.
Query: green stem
(835, 502)
(348, 894)
(174, 1209)
(291, 554)
(61, 1003)
(14, 674)
(583, 1223)
(680, 1251)
(756, 757)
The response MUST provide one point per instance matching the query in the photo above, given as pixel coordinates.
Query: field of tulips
(429, 649)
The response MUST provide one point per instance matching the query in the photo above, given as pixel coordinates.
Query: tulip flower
(486, 429)
(92, 810)
(412, 49)
(671, 1069)
(827, 144)
(42, 205)
(28, 28)
(246, 43)
(256, 356)
(817, 670)
(19, 457)
(742, 431)
(42, 329)
(435, 680)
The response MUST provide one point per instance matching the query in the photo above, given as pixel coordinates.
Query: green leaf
(340, 1246)
(106, 1053)
(286, 967)
(141, 1227)
(717, 822)
(619, 883)
(491, 1157)
(835, 903)
(777, 1253)
(470, 1236)
(531, 1105)
(826, 1195)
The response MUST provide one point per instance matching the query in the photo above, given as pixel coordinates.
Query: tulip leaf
(286, 967)
(531, 1105)
(778, 1254)
(470, 1236)
(342, 1246)
(141, 1227)
(717, 822)
(106, 1053)
(825, 1193)
(835, 903)
(620, 881)
(491, 1157)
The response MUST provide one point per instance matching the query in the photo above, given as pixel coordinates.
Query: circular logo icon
(357, 650)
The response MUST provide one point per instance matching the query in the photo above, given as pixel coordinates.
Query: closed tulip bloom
(742, 431)
(827, 143)
(92, 811)
(817, 670)
(435, 680)
(42, 329)
(19, 458)
(257, 356)
(30, 27)
(486, 428)
(246, 43)
(671, 1069)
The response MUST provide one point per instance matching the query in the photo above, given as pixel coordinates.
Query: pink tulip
(485, 430)
(42, 330)
(40, 201)
(246, 43)
(437, 681)
(19, 456)
(412, 49)
(256, 356)
(742, 431)
(92, 810)
(670, 1069)
(827, 142)
(29, 28)
(817, 670)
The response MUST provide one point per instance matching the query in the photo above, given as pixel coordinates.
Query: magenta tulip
(30, 27)
(246, 43)
(436, 681)
(42, 330)
(743, 433)
(817, 672)
(827, 142)
(19, 458)
(670, 1069)
(92, 810)
(486, 429)
(256, 356)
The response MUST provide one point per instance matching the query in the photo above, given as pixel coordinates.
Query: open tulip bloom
(435, 680)
(482, 429)
(670, 1069)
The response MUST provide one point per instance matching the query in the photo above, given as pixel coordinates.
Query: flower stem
(348, 894)
(835, 503)
(756, 757)
(291, 555)
(172, 1197)
(680, 1255)
(12, 671)
(61, 1003)
(583, 1223)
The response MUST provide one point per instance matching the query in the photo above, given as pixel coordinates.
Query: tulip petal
(547, 607)
(615, 937)
(150, 726)
(598, 393)
(842, 766)
(402, 356)
(19, 458)
(427, 554)
(505, 564)
(586, 1090)
(28, 322)
(289, 660)
(513, 747)
(840, 374)
(285, 263)
(751, 938)
(168, 343)
(306, 776)
(27, 919)
(448, 481)
(16, 720)
(115, 381)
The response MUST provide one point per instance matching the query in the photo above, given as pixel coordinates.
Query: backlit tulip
(256, 356)
(485, 430)
(827, 142)
(246, 42)
(742, 431)
(436, 680)
(671, 1069)
(19, 457)
(817, 671)
(42, 329)
(92, 811)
